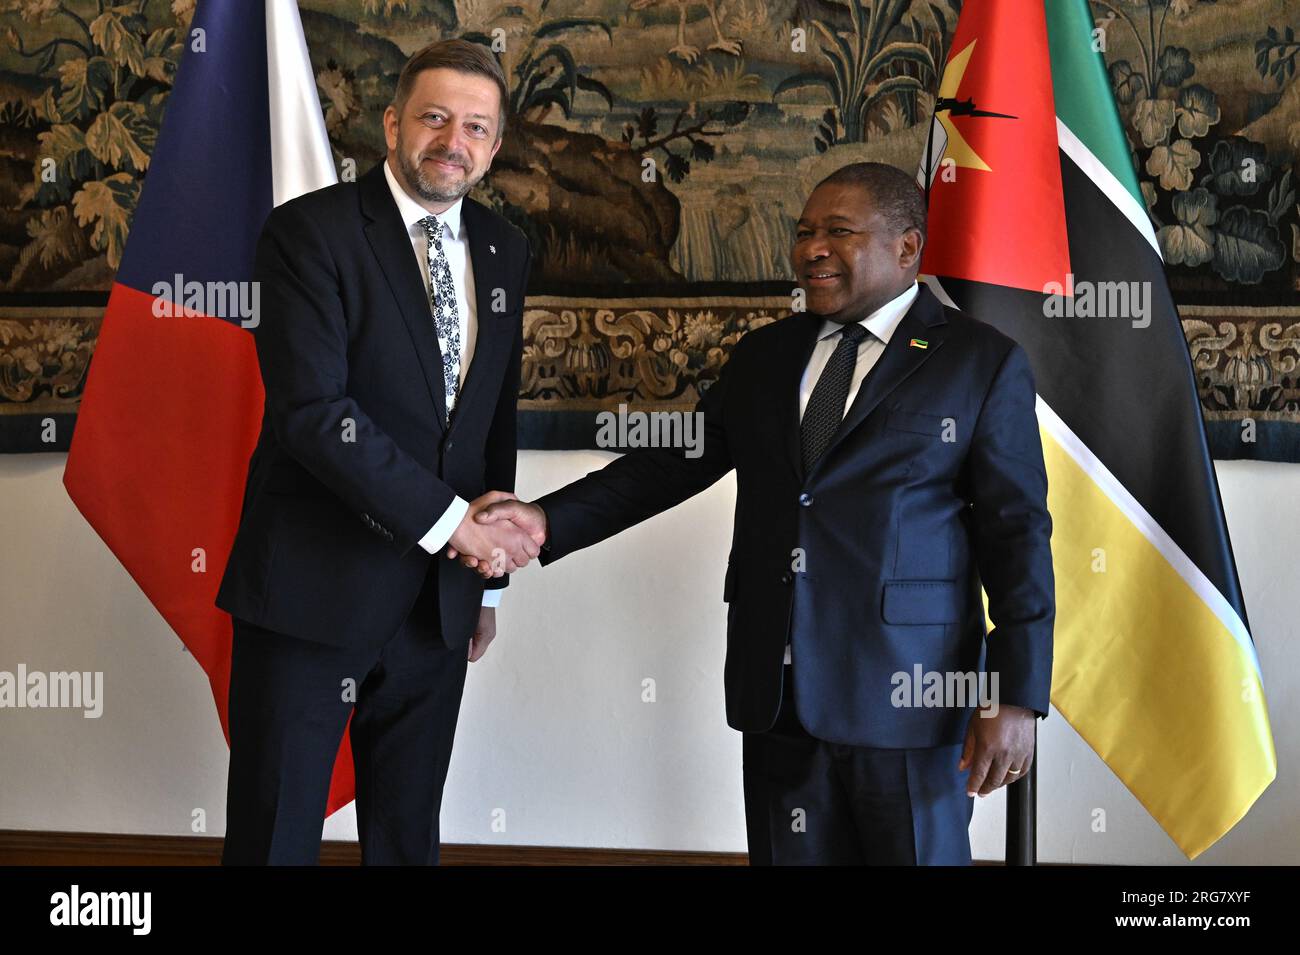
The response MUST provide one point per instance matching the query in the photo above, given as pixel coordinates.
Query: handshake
(498, 535)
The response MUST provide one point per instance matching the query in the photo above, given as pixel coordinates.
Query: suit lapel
(791, 364)
(391, 244)
(924, 321)
(488, 263)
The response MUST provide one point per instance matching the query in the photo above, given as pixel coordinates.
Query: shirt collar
(412, 212)
(883, 320)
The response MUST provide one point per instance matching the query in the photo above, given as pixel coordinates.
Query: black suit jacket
(354, 464)
(872, 563)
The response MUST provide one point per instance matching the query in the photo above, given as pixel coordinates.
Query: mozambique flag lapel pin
(919, 343)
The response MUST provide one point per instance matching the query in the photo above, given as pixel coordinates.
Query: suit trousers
(810, 802)
(289, 707)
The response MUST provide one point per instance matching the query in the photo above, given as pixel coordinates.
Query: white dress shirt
(880, 325)
(455, 246)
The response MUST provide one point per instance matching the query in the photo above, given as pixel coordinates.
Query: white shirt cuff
(440, 533)
(492, 598)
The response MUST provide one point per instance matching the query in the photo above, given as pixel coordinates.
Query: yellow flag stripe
(1147, 671)
(1128, 505)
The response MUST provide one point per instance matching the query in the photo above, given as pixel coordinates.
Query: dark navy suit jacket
(871, 564)
(354, 464)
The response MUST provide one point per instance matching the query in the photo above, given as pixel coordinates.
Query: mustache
(464, 164)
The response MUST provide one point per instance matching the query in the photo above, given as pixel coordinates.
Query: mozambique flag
(173, 399)
(1037, 226)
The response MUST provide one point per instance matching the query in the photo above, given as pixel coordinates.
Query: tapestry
(657, 155)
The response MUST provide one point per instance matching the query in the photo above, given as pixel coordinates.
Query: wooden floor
(27, 847)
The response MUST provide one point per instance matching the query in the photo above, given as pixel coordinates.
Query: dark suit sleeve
(1013, 530)
(502, 452)
(641, 483)
(302, 350)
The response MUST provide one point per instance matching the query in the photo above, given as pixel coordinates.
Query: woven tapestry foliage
(657, 154)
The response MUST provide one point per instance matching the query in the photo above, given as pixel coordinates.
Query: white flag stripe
(939, 291)
(300, 150)
(1105, 180)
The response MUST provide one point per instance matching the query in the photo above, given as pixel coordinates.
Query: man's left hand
(998, 748)
(483, 633)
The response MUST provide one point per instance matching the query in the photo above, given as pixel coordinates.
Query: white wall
(553, 729)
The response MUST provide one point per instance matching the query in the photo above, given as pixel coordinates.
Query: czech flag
(173, 399)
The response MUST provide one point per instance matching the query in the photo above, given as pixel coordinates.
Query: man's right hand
(492, 547)
(501, 514)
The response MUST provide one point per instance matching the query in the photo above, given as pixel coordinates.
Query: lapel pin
(919, 343)
(492, 249)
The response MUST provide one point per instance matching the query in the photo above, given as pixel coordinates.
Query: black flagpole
(1022, 795)
(1022, 814)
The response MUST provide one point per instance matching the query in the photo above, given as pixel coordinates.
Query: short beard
(423, 186)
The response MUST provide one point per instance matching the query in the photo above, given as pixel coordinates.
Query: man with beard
(389, 348)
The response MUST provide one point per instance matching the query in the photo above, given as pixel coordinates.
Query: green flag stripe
(1081, 87)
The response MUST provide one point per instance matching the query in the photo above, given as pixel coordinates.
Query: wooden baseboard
(32, 847)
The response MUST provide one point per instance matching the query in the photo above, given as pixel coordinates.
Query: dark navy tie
(825, 411)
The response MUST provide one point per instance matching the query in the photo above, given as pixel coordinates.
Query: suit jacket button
(786, 577)
(806, 499)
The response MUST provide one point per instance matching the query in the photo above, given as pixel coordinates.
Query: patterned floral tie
(442, 295)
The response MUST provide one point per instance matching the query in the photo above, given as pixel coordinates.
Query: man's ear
(390, 127)
(909, 249)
